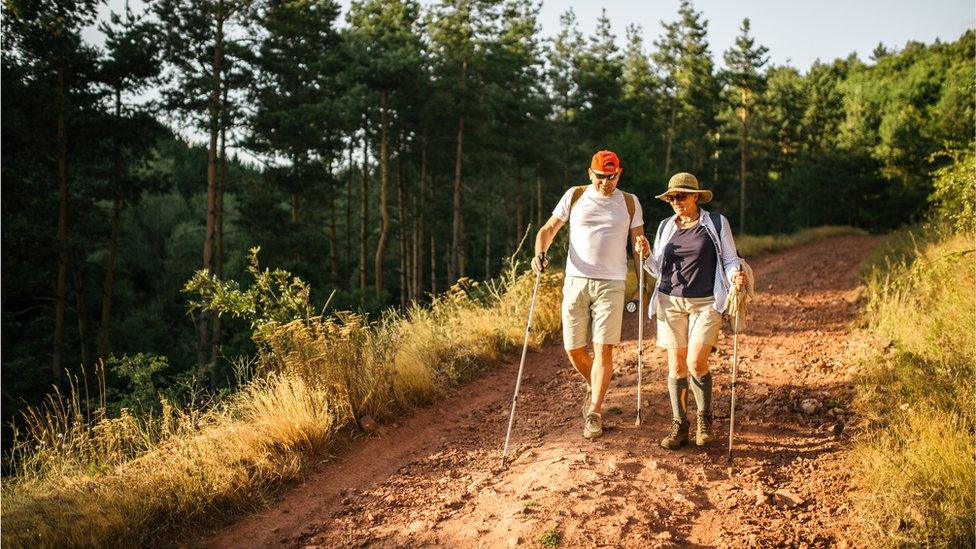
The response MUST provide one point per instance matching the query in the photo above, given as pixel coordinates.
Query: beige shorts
(684, 320)
(590, 301)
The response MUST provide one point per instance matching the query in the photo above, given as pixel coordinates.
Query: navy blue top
(689, 264)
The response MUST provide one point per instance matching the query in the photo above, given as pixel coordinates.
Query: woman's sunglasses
(676, 197)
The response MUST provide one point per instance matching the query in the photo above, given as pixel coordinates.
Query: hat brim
(705, 198)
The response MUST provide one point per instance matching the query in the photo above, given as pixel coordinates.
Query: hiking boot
(593, 427)
(703, 433)
(587, 403)
(678, 436)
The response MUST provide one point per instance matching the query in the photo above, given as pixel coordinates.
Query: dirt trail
(432, 479)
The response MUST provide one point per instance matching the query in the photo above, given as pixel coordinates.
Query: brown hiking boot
(703, 433)
(593, 427)
(678, 436)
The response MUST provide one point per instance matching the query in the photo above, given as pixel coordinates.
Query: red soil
(434, 479)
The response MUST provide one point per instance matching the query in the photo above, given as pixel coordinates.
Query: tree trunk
(81, 311)
(433, 264)
(538, 202)
(670, 138)
(363, 216)
(456, 264)
(422, 217)
(415, 256)
(102, 346)
(219, 241)
(487, 241)
(742, 166)
(203, 318)
(347, 270)
(333, 241)
(519, 212)
(402, 232)
(509, 227)
(384, 185)
(60, 298)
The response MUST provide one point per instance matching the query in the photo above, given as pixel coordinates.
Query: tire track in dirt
(433, 478)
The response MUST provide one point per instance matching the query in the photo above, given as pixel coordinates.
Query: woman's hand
(739, 280)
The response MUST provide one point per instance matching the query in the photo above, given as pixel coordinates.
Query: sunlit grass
(914, 468)
(753, 245)
(96, 481)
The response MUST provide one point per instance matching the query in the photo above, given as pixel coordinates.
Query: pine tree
(746, 83)
(384, 33)
(599, 77)
(132, 64)
(563, 82)
(667, 56)
(46, 37)
(194, 38)
(454, 45)
(698, 88)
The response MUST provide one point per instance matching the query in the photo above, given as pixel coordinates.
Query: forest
(382, 154)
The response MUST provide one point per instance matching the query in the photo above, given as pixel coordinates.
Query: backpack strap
(577, 193)
(628, 199)
(717, 222)
(631, 208)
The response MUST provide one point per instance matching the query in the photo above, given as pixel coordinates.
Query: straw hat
(684, 182)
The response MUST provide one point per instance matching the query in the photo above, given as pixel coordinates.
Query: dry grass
(83, 480)
(914, 468)
(751, 246)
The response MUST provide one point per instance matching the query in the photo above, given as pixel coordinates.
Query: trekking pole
(735, 363)
(518, 379)
(640, 338)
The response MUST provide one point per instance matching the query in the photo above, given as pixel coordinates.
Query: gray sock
(702, 388)
(678, 389)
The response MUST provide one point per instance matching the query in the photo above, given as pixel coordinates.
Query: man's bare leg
(601, 372)
(582, 361)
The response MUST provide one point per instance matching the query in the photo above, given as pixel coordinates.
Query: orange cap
(605, 162)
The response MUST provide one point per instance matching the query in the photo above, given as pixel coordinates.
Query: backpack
(628, 199)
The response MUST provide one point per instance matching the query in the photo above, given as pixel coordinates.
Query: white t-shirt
(598, 233)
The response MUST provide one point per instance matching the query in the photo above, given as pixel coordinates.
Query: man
(601, 220)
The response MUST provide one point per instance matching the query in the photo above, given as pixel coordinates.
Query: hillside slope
(433, 478)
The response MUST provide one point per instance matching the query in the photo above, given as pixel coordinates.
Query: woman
(696, 264)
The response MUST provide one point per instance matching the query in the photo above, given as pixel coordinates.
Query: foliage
(954, 196)
(82, 479)
(353, 135)
(551, 538)
(275, 297)
(914, 465)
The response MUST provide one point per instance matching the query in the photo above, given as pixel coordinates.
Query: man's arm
(543, 239)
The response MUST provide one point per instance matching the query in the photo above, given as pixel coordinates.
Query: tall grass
(753, 245)
(83, 480)
(914, 468)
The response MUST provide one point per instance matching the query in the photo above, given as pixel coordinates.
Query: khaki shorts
(593, 301)
(684, 320)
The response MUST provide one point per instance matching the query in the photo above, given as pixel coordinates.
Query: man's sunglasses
(676, 197)
(602, 176)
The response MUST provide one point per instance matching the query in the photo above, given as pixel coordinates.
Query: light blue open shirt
(725, 267)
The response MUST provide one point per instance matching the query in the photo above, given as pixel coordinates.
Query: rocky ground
(434, 479)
